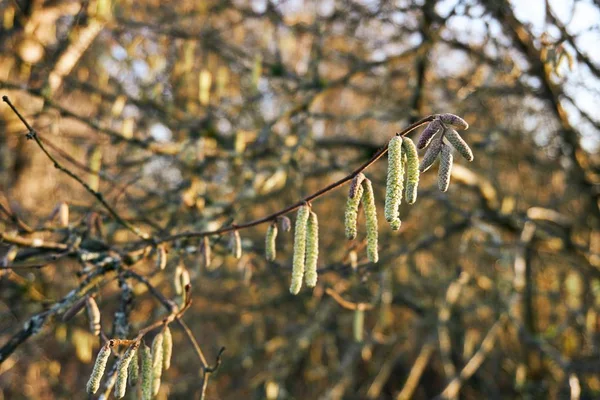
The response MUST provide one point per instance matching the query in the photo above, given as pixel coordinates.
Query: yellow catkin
(371, 219)
(206, 252)
(270, 242)
(445, 168)
(99, 367)
(358, 324)
(351, 214)
(161, 257)
(312, 250)
(93, 313)
(236, 245)
(412, 170)
(146, 373)
(299, 249)
(459, 144)
(157, 362)
(134, 371)
(167, 348)
(123, 371)
(395, 178)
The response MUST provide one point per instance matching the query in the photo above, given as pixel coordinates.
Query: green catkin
(99, 367)
(134, 370)
(123, 371)
(445, 168)
(395, 180)
(157, 362)
(459, 144)
(93, 313)
(351, 214)
(371, 218)
(358, 324)
(432, 153)
(167, 348)
(312, 250)
(146, 373)
(412, 170)
(299, 249)
(236, 245)
(270, 242)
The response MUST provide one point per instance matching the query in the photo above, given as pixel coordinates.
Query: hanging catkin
(394, 182)
(358, 324)
(412, 170)
(445, 168)
(431, 154)
(99, 367)
(299, 249)
(312, 250)
(146, 373)
(134, 370)
(123, 371)
(429, 132)
(93, 313)
(167, 348)
(454, 120)
(354, 198)
(459, 144)
(157, 362)
(371, 218)
(235, 244)
(270, 242)
(206, 252)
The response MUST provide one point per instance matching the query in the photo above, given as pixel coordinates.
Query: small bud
(146, 373)
(134, 370)
(93, 313)
(454, 121)
(285, 223)
(445, 168)
(459, 144)
(351, 215)
(412, 170)
(358, 324)
(394, 182)
(429, 132)
(270, 242)
(312, 250)
(99, 367)
(161, 257)
(431, 154)
(235, 244)
(299, 256)
(371, 218)
(157, 362)
(167, 348)
(123, 371)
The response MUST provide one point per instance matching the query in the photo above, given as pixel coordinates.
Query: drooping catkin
(123, 370)
(93, 313)
(299, 256)
(157, 361)
(358, 324)
(235, 243)
(99, 367)
(445, 168)
(412, 170)
(454, 120)
(431, 154)
(134, 370)
(371, 219)
(459, 144)
(161, 257)
(146, 373)
(206, 252)
(354, 199)
(312, 250)
(429, 132)
(167, 348)
(181, 279)
(394, 182)
(270, 242)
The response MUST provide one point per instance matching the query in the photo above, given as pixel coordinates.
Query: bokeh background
(192, 115)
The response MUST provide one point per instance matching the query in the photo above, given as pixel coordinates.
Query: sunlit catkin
(354, 199)
(358, 324)
(394, 182)
(167, 348)
(454, 120)
(123, 371)
(429, 132)
(431, 154)
(312, 250)
(412, 170)
(206, 252)
(445, 168)
(146, 373)
(99, 367)
(299, 257)
(371, 219)
(270, 242)
(235, 244)
(134, 370)
(93, 313)
(459, 144)
(157, 362)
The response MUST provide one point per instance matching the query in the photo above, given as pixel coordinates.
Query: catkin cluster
(361, 191)
(306, 249)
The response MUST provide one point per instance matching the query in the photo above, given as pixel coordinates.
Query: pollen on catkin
(167, 348)
(371, 219)
(459, 144)
(312, 250)
(270, 242)
(123, 371)
(429, 132)
(299, 256)
(93, 313)
(394, 182)
(431, 154)
(157, 362)
(161, 257)
(235, 244)
(351, 214)
(99, 367)
(454, 120)
(412, 170)
(146, 373)
(445, 168)
(134, 370)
